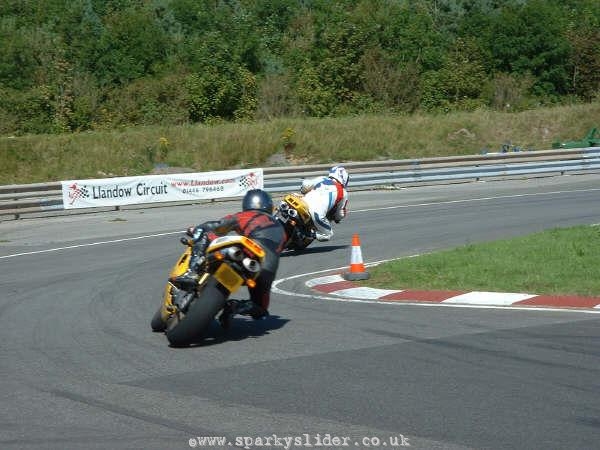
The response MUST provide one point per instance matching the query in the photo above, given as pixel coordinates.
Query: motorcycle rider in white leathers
(327, 199)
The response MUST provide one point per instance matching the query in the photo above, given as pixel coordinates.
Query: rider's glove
(195, 232)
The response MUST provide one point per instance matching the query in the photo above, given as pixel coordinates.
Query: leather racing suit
(327, 200)
(261, 227)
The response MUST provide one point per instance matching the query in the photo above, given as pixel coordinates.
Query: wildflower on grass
(286, 138)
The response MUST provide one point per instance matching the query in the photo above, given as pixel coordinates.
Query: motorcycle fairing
(247, 243)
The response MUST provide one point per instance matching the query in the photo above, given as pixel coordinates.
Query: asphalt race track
(80, 368)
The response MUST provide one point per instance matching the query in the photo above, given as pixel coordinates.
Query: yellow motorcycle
(230, 262)
(294, 215)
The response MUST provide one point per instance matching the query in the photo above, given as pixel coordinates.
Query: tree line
(75, 65)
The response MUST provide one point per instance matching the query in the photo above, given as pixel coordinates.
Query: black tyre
(300, 245)
(299, 240)
(199, 316)
(305, 243)
(157, 323)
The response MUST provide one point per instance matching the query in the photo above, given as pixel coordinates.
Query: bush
(229, 94)
(148, 101)
(508, 92)
(276, 98)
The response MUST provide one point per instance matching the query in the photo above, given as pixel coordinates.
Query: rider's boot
(189, 278)
(322, 237)
(186, 280)
(242, 307)
(181, 298)
(249, 308)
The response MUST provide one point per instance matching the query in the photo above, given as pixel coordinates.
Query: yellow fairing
(182, 263)
(298, 203)
(226, 241)
(179, 268)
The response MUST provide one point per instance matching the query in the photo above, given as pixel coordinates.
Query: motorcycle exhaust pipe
(251, 265)
(235, 253)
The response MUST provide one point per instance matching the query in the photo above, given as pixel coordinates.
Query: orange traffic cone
(357, 268)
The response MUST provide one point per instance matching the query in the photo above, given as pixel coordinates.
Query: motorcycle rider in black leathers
(257, 222)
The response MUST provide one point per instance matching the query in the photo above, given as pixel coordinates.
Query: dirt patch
(461, 135)
(163, 169)
(283, 158)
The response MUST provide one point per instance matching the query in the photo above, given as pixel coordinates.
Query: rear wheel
(199, 316)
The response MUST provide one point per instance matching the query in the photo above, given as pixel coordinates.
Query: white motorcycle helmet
(340, 174)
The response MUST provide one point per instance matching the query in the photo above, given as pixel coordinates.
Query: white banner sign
(159, 188)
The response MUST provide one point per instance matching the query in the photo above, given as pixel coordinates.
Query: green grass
(557, 261)
(136, 151)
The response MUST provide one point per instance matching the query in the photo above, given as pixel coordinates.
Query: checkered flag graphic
(76, 192)
(250, 181)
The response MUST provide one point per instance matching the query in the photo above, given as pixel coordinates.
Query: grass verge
(554, 262)
(136, 151)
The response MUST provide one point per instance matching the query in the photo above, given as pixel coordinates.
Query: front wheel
(299, 245)
(157, 323)
(202, 310)
(300, 241)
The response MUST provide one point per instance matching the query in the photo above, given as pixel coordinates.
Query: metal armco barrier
(18, 201)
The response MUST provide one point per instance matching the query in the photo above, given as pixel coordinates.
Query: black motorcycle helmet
(258, 200)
